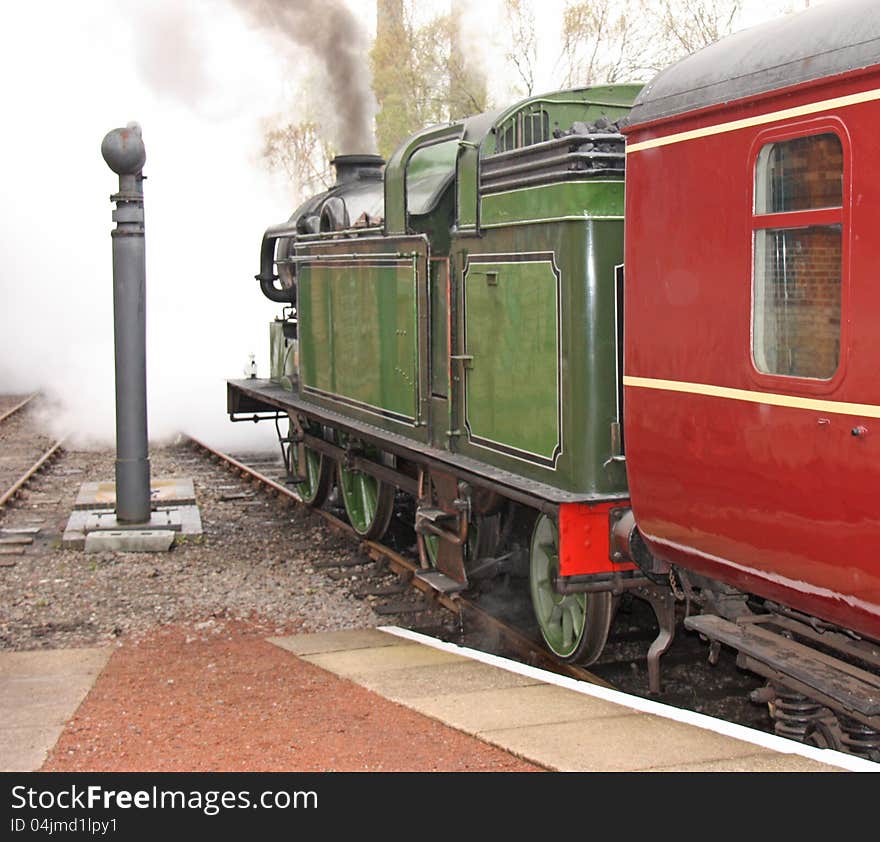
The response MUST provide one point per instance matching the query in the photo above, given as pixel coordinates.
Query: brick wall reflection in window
(797, 239)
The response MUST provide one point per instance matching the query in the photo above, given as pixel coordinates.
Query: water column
(123, 150)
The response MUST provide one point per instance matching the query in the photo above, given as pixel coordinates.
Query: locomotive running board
(246, 399)
(830, 680)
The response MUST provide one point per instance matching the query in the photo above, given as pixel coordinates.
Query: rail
(17, 486)
(21, 405)
(512, 639)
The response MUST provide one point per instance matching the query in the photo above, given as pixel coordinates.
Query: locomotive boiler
(457, 327)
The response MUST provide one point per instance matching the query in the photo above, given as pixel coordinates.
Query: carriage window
(798, 237)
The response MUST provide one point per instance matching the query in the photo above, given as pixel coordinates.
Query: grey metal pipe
(123, 150)
(267, 276)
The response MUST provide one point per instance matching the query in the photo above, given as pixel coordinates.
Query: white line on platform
(689, 717)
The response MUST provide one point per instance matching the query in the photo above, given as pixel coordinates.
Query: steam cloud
(329, 31)
(208, 200)
(168, 53)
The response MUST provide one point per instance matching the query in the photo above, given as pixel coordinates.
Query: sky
(199, 76)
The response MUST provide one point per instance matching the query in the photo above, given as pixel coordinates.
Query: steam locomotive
(458, 328)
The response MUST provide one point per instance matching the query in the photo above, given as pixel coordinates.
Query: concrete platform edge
(729, 729)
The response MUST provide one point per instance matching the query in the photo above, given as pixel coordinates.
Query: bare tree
(685, 26)
(602, 42)
(301, 152)
(519, 17)
(606, 41)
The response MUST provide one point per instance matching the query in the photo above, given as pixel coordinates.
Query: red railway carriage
(752, 396)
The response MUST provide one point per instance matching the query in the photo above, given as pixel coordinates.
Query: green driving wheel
(317, 473)
(574, 626)
(369, 502)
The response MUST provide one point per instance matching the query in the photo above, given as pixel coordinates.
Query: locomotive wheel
(432, 542)
(369, 502)
(483, 538)
(574, 626)
(318, 473)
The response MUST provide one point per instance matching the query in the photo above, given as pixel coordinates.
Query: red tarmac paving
(220, 696)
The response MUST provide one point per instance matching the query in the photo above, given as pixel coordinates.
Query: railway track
(24, 453)
(390, 578)
(387, 574)
(8, 412)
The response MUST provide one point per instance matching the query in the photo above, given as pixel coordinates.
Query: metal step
(851, 687)
(440, 581)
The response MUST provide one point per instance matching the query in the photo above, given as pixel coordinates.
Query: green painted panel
(358, 335)
(512, 333)
(586, 253)
(466, 193)
(587, 200)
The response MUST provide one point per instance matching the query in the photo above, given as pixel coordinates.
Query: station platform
(39, 692)
(83, 707)
(556, 722)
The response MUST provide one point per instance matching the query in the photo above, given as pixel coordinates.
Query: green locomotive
(451, 330)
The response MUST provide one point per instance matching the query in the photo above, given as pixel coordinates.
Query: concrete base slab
(130, 541)
(107, 521)
(164, 491)
(516, 709)
(39, 692)
(184, 519)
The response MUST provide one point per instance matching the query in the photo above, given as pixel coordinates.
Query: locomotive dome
(816, 43)
(356, 198)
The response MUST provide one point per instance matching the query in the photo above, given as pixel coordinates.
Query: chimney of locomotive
(362, 166)
(123, 150)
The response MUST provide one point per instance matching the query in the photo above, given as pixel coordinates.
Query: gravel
(254, 563)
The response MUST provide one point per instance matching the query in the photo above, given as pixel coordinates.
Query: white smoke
(198, 81)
